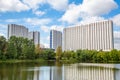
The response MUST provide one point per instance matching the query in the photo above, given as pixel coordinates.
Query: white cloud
(98, 7)
(12, 5)
(72, 14)
(39, 13)
(34, 4)
(116, 20)
(12, 20)
(55, 27)
(55, 4)
(23, 5)
(36, 21)
(90, 19)
(58, 4)
(88, 8)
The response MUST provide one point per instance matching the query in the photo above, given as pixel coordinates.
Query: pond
(58, 71)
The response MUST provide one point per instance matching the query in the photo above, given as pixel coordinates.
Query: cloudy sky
(43, 15)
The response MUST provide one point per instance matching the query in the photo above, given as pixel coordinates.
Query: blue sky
(43, 15)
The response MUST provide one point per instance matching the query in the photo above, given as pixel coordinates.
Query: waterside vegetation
(18, 49)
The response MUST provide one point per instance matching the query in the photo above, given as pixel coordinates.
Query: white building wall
(98, 36)
(35, 36)
(17, 30)
(56, 39)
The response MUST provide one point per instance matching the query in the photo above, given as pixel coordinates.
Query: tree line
(23, 48)
(92, 56)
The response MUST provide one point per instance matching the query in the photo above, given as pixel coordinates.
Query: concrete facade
(35, 36)
(55, 39)
(17, 30)
(93, 36)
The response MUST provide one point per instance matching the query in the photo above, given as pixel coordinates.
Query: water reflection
(91, 72)
(56, 71)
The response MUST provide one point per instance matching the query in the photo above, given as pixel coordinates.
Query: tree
(114, 55)
(37, 49)
(66, 55)
(58, 53)
(20, 48)
(78, 55)
(24, 51)
(48, 54)
(19, 44)
(3, 44)
(1, 54)
(28, 49)
(11, 49)
(81, 55)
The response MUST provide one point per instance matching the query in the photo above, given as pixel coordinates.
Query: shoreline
(21, 61)
(42, 60)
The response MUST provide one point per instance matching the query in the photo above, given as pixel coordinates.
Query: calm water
(57, 71)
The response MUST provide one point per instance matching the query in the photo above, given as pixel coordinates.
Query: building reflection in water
(48, 73)
(60, 72)
(83, 72)
(78, 72)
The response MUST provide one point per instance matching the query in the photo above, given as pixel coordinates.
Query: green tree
(28, 49)
(58, 53)
(67, 55)
(78, 55)
(11, 50)
(114, 55)
(24, 52)
(100, 56)
(3, 44)
(106, 57)
(81, 55)
(37, 49)
(1, 54)
(48, 54)
(20, 48)
(19, 44)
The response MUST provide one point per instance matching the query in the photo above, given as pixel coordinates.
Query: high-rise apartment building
(17, 30)
(35, 36)
(93, 36)
(55, 39)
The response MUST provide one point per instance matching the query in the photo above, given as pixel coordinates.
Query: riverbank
(22, 61)
(44, 61)
(38, 61)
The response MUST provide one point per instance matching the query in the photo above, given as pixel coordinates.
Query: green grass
(20, 61)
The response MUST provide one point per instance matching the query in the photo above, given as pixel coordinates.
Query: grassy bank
(46, 61)
(21, 61)
(37, 61)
